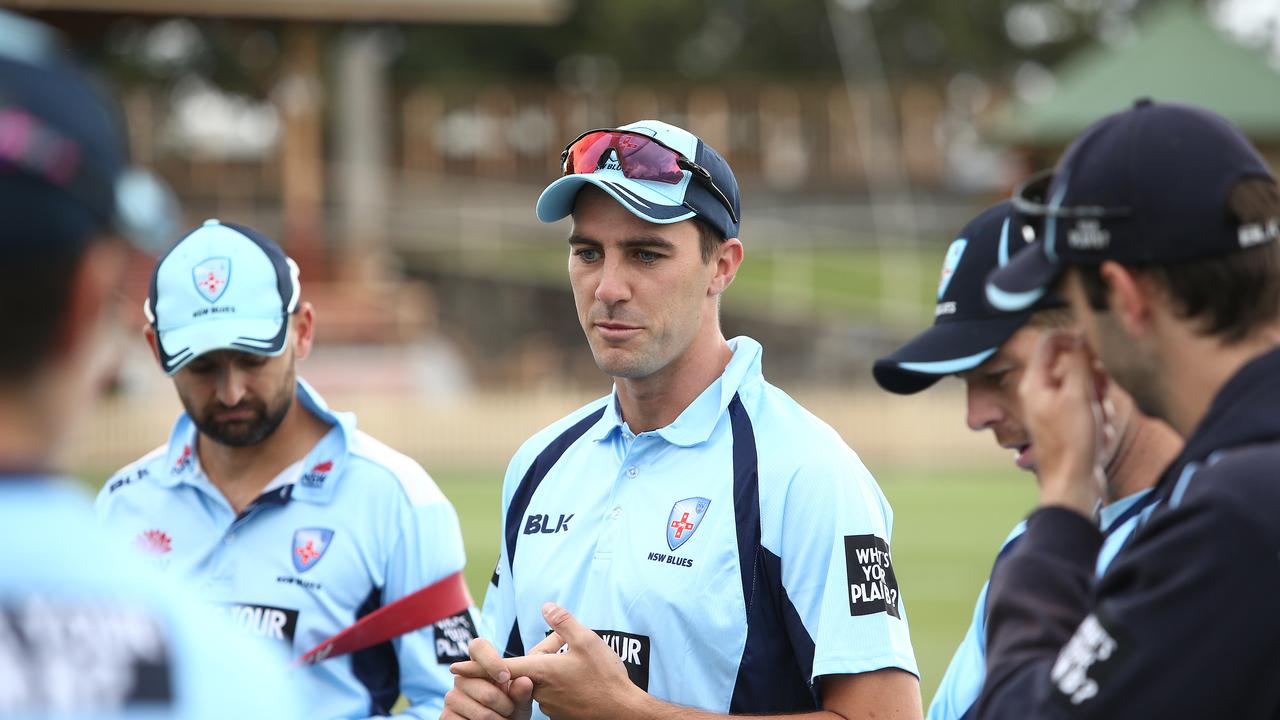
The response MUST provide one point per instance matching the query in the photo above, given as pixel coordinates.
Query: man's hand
(483, 688)
(1062, 408)
(584, 680)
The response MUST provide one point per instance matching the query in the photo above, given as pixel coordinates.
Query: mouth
(230, 416)
(1022, 456)
(616, 332)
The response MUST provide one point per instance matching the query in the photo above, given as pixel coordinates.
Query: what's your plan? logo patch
(872, 585)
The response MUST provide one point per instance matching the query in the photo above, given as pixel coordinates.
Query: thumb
(566, 625)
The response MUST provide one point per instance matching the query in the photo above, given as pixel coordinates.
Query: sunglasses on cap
(1032, 207)
(641, 158)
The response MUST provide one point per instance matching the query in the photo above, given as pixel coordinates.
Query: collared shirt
(730, 558)
(86, 632)
(1179, 626)
(354, 526)
(962, 681)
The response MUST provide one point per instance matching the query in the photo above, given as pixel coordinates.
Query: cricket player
(695, 542)
(272, 505)
(84, 632)
(1160, 225)
(990, 350)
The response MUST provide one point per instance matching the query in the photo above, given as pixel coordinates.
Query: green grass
(947, 528)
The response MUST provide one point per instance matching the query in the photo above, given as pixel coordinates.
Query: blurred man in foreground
(84, 632)
(990, 350)
(696, 542)
(277, 507)
(1160, 227)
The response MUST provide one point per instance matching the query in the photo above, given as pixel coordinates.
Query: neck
(1145, 449)
(1198, 382)
(656, 401)
(241, 473)
(31, 426)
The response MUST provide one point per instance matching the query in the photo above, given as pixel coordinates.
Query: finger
(534, 667)
(486, 693)
(469, 669)
(550, 644)
(465, 706)
(566, 625)
(522, 697)
(484, 653)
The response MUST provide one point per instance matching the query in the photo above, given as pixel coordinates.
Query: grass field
(947, 528)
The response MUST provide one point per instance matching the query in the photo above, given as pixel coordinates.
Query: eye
(252, 362)
(587, 254)
(647, 257)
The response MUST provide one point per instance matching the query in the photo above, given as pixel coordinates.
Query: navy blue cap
(1145, 186)
(966, 330)
(657, 202)
(62, 149)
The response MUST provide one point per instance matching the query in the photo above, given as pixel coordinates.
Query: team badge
(685, 516)
(309, 545)
(211, 276)
(949, 265)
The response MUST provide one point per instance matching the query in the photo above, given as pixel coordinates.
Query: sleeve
(962, 681)
(429, 548)
(838, 573)
(498, 620)
(1162, 635)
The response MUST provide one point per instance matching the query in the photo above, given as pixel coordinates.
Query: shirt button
(632, 472)
(617, 512)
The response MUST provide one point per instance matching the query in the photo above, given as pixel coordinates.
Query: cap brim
(260, 336)
(944, 349)
(1028, 277)
(641, 198)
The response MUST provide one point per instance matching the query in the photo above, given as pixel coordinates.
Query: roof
(1178, 55)
(497, 11)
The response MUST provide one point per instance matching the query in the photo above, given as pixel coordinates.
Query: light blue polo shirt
(90, 633)
(963, 679)
(353, 527)
(729, 558)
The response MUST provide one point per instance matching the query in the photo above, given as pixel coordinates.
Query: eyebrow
(631, 243)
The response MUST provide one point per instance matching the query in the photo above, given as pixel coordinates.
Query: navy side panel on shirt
(376, 667)
(773, 675)
(524, 493)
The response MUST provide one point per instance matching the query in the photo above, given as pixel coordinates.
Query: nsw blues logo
(949, 265)
(685, 517)
(211, 276)
(309, 545)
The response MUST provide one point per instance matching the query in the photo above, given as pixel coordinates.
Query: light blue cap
(221, 287)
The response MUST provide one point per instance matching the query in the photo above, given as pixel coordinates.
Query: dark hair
(1231, 295)
(708, 238)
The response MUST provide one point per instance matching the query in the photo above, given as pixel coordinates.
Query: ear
(304, 325)
(727, 260)
(153, 342)
(1131, 297)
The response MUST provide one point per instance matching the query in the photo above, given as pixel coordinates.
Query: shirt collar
(697, 421)
(321, 466)
(1107, 514)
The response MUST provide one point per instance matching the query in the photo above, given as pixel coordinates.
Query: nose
(982, 410)
(614, 286)
(231, 385)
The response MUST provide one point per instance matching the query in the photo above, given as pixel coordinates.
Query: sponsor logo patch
(1088, 234)
(632, 649)
(262, 621)
(211, 276)
(684, 519)
(88, 659)
(127, 480)
(153, 542)
(1085, 661)
(872, 585)
(309, 545)
(315, 477)
(545, 525)
(453, 635)
(185, 461)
